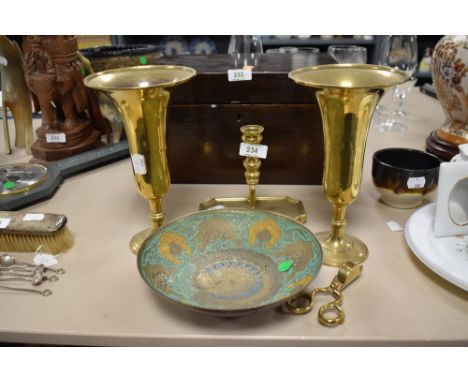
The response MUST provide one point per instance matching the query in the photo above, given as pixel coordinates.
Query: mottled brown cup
(403, 176)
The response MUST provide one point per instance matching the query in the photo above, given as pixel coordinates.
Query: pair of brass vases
(347, 95)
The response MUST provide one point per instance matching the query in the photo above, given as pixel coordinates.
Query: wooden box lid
(269, 84)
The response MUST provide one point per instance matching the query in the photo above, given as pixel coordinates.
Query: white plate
(446, 256)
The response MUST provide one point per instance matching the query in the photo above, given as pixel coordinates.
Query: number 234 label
(252, 150)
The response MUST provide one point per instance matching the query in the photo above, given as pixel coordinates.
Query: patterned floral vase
(450, 78)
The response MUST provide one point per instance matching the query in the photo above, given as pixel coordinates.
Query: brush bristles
(53, 244)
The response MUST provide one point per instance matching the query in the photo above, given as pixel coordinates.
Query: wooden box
(206, 114)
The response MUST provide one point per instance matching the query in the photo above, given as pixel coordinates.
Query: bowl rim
(375, 159)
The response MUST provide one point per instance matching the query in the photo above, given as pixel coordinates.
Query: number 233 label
(239, 75)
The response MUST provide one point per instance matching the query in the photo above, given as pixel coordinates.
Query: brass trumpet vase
(141, 94)
(347, 95)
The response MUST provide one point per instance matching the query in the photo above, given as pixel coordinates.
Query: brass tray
(280, 204)
(230, 261)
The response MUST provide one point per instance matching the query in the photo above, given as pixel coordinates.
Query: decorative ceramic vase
(450, 78)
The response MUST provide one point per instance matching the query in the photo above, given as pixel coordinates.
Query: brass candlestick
(252, 134)
(347, 95)
(141, 94)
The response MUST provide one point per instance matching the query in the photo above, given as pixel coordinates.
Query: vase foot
(338, 252)
(138, 239)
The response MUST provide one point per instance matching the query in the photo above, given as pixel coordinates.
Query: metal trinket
(304, 302)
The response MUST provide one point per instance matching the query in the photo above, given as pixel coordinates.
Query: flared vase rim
(369, 67)
(91, 82)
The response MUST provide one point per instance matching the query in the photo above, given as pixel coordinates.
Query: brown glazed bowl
(403, 176)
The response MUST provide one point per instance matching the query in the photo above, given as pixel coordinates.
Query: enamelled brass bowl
(230, 261)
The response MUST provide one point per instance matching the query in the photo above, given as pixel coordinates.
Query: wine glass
(398, 52)
(400, 93)
(299, 56)
(288, 49)
(348, 54)
(245, 50)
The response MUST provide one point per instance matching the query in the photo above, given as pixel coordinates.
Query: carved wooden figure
(54, 76)
(15, 95)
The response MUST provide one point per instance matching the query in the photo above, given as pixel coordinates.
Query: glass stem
(400, 105)
(399, 110)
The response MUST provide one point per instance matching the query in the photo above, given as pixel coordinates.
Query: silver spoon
(9, 260)
(45, 292)
(30, 270)
(39, 269)
(16, 271)
(35, 278)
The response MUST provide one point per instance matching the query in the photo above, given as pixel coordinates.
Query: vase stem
(338, 223)
(157, 214)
